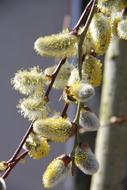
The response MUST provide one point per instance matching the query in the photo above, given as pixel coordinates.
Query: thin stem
(54, 75)
(63, 114)
(13, 164)
(82, 36)
(83, 17)
(22, 142)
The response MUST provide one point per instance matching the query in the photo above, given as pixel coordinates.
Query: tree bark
(111, 149)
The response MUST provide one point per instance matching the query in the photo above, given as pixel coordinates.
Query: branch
(13, 164)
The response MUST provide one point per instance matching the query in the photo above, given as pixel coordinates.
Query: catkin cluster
(109, 19)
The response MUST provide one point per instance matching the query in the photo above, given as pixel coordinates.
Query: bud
(56, 129)
(92, 67)
(3, 166)
(33, 108)
(88, 120)
(57, 45)
(62, 77)
(79, 91)
(85, 159)
(29, 82)
(2, 184)
(56, 171)
(100, 31)
(122, 29)
(38, 147)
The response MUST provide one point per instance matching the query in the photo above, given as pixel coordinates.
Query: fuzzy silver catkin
(85, 160)
(2, 184)
(122, 29)
(88, 120)
(78, 91)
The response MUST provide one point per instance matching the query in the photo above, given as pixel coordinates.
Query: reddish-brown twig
(13, 164)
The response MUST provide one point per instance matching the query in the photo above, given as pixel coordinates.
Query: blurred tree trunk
(111, 149)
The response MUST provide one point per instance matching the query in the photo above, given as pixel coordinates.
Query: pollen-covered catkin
(37, 146)
(56, 129)
(92, 67)
(57, 45)
(29, 81)
(85, 160)
(109, 6)
(100, 32)
(33, 108)
(56, 171)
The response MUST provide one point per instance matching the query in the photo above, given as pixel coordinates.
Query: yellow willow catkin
(57, 45)
(109, 6)
(93, 68)
(100, 32)
(56, 171)
(33, 108)
(29, 81)
(38, 147)
(56, 129)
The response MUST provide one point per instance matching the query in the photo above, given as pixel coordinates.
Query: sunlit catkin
(56, 129)
(37, 146)
(33, 108)
(92, 67)
(108, 6)
(56, 171)
(57, 45)
(100, 31)
(29, 81)
(85, 160)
